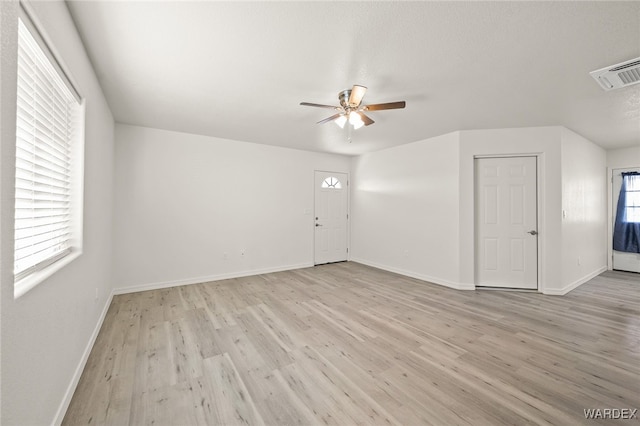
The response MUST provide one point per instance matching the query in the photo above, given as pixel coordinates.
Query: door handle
(317, 224)
(533, 232)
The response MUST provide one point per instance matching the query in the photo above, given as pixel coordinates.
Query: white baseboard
(64, 405)
(205, 279)
(434, 280)
(572, 286)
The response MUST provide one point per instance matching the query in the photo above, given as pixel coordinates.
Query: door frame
(539, 217)
(313, 212)
(611, 207)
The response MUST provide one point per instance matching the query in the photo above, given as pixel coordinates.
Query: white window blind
(48, 123)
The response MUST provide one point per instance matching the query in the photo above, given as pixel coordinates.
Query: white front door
(331, 199)
(622, 261)
(506, 222)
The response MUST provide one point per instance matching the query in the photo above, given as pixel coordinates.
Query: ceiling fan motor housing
(343, 97)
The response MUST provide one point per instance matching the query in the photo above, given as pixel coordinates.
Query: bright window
(632, 198)
(49, 135)
(332, 183)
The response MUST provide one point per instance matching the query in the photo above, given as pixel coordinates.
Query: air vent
(619, 75)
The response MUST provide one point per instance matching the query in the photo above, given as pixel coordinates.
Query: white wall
(545, 142)
(183, 201)
(624, 157)
(413, 205)
(46, 331)
(584, 210)
(405, 209)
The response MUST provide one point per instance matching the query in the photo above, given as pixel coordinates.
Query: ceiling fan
(351, 108)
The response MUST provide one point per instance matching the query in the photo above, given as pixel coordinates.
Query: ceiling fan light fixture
(356, 120)
(340, 121)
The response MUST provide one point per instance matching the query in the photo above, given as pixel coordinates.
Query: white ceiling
(239, 70)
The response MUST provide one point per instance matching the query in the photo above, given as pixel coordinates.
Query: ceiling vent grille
(619, 75)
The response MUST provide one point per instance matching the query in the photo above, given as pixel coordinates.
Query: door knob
(533, 232)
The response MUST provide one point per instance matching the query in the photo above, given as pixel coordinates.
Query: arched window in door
(331, 183)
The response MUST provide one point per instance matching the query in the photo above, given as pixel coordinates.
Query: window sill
(20, 288)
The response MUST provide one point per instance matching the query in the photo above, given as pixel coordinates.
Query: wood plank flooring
(346, 344)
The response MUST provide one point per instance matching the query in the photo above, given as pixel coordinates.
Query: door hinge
(347, 249)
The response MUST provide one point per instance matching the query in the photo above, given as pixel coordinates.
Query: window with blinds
(632, 197)
(48, 124)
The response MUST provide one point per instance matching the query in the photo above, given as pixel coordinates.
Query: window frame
(34, 275)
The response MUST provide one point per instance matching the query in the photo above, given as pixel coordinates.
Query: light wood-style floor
(348, 344)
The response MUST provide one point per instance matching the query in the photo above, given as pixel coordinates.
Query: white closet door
(506, 222)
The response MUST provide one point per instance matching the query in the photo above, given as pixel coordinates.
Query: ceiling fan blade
(356, 95)
(367, 121)
(333, 117)
(318, 105)
(389, 105)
